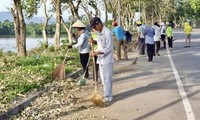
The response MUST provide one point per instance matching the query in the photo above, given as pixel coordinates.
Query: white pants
(106, 74)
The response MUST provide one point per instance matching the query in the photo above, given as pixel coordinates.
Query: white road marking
(185, 100)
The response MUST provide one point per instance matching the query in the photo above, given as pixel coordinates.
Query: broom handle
(95, 74)
(94, 67)
(66, 55)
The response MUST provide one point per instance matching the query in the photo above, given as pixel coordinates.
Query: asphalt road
(167, 89)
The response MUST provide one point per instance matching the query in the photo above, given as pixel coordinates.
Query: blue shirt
(149, 33)
(119, 33)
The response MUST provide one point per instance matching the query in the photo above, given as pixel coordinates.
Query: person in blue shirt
(149, 33)
(118, 32)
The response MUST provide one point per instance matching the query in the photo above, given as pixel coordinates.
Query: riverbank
(18, 76)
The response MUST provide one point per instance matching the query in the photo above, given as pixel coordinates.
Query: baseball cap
(114, 23)
(94, 21)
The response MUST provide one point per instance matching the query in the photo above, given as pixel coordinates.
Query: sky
(4, 4)
(8, 3)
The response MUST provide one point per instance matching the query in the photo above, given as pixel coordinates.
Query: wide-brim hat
(139, 22)
(79, 23)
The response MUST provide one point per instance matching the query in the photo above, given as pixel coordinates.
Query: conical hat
(78, 23)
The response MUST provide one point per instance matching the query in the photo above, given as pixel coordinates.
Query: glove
(69, 46)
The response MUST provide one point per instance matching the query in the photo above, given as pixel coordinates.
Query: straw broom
(59, 71)
(95, 97)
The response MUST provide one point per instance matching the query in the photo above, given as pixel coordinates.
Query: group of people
(100, 46)
(150, 37)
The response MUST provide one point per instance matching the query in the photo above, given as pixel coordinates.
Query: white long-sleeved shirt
(157, 33)
(105, 45)
(82, 44)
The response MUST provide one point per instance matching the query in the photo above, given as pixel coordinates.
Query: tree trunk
(74, 9)
(68, 30)
(20, 28)
(106, 12)
(58, 22)
(45, 24)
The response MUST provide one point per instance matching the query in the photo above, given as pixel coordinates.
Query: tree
(44, 28)
(30, 8)
(20, 27)
(58, 23)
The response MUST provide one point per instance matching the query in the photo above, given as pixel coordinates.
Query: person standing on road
(141, 37)
(163, 35)
(187, 30)
(169, 33)
(156, 38)
(105, 56)
(118, 32)
(82, 45)
(149, 33)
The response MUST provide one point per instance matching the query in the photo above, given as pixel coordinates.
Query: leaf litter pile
(60, 100)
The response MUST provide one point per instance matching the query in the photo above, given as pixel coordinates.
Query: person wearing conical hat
(82, 45)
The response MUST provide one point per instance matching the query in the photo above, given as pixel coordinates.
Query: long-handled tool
(82, 81)
(59, 71)
(135, 61)
(95, 97)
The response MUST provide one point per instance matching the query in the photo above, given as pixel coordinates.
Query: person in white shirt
(141, 37)
(105, 56)
(163, 34)
(156, 38)
(82, 45)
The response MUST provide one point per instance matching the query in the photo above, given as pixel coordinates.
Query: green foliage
(195, 5)
(51, 48)
(2, 76)
(30, 7)
(13, 87)
(1, 52)
(20, 75)
(6, 28)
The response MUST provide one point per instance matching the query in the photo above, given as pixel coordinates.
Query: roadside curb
(25, 103)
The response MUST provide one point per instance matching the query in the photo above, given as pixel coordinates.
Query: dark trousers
(150, 51)
(164, 42)
(97, 68)
(170, 42)
(84, 60)
(141, 42)
(157, 46)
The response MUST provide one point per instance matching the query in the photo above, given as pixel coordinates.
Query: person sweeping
(104, 55)
(82, 45)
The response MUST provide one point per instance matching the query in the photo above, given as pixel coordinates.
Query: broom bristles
(96, 98)
(59, 71)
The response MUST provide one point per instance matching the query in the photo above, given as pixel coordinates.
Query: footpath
(142, 91)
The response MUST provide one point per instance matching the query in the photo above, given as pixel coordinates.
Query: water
(8, 43)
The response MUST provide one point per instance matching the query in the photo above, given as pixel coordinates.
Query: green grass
(22, 74)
